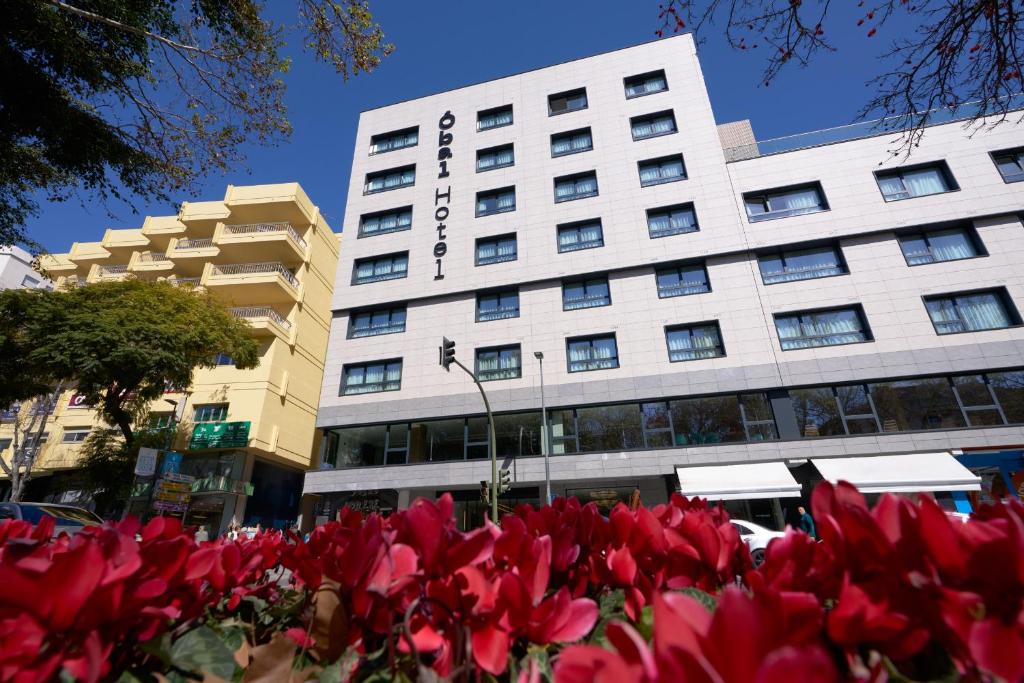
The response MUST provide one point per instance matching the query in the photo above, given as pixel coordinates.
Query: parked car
(756, 537)
(67, 517)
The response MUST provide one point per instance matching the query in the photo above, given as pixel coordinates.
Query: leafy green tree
(121, 97)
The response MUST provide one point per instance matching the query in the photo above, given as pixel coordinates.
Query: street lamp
(545, 439)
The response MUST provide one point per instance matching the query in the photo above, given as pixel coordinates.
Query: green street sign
(220, 435)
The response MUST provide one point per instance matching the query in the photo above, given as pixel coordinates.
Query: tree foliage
(118, 97)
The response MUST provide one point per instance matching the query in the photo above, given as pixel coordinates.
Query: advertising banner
(220, 435)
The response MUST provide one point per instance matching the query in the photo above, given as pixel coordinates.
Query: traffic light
(504, 481)
(485, 491)
(447, 352)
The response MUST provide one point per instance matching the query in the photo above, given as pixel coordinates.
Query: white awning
(738, 482)
(900, 473)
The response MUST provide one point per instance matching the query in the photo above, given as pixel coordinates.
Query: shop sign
(77, 401)
(171, 463)
(174, 476)
(222, 485)
(169, 506)
(145, 463)
(220, 435)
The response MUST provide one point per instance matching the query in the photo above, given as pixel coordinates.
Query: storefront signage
(222, 485)
(171, 463)
(145, 463)
(444, 153)
(168, 506)
(220, 435)
(77, 401)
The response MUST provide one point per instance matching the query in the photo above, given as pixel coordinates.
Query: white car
(756, 537)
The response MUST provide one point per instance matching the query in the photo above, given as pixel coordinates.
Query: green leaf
(158, 647)
(645, 625)
(611, 605)
(706, 599)
(202, 651)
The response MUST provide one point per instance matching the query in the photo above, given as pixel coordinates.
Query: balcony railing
(186, 281)
(256, 268)
(254, 228)
(114, 270)
(248, 312)
(195, 244)
(153, 257)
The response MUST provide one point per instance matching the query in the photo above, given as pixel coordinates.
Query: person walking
(806, 522)
(202, 535)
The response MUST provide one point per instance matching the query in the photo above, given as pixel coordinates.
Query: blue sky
(440, 46)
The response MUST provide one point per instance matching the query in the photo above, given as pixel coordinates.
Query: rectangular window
(497, 305)
(971, 311)
(609, 428)
(938, 245)
(682, 280)
(212, 412)
(502, 362)
(495, 201)
(75, 434)
(367, 378)
(661, 170)
(571, 142)
(494, 118)
(5, 444)
(1010, 163)
(391, 179)
(577, 186)
(821, 328)
(161, 420)
(915, 181)
(795, 201)
(374, 322)
(646, 84)
(223, 359)
(977, 400)
(671, 220)
(592, 353)
(722, 419)
(379, 268)
(581, 235)
(564, 102)
(1009, 389)
(834, 411)
(801, 264)
(398, 139)
(495, 249)
(29, 281)
(653, 125)
(589, 293)
(694, 342)
(382, 222)
(489, 159)
(916, 404)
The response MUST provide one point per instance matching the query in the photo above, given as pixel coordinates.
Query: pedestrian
(806, 522)
(202, 534)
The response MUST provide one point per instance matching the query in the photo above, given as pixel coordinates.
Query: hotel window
(494, 118)
(915, 181)
(662, 170)
(213, 412)
(794, 201)
(571, 142)
(495, 249)
(801, 264)
(495, 157)
(592, 353)
(646, 84)
(581, 235)
(682, 280)
(378, 321)
(822, 328)
(399, 139)
(1010, 163)
(694, 342)
(577, 186)
(671, 220)
(379, 268)
(75, 434)
(391, 179)
(589, 293)
(382, 222)
(938, 245)
(653, 125)
(971, 311)
(495, 201)
(500, 362)
(368, 378)
(572, 100)
(497, 305)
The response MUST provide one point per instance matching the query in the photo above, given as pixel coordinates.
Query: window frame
(654, 211)
(633, 120)
(795, 250)
(384, 173)
(1003, 295)
(364, 365)
(1018, 152)
(377, 214)
(495, 238)
(351, 332)
(660, 161)
(570, 133)
(495, 193)
(210, 408)
(497, 349)
(357, 262)
(899, 171)
(394, 133)
(495, 149)
(577, 225)
(575, 178)
(494, 110)
(777, 214)
(678, 267)
(923, 234)
(626, 83)
(586, 282)
(498, 293)
(857, 308)
(591, 338)
(567, 94)
(677, 327)
(82, 432)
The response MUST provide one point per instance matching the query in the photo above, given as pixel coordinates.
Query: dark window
(398, 139)
(572, 100)
(834, 411)
(978, 401)
(497, 305)
(577, 186)
(609, 428)
(971, 311)
(366, 378)
(661, 170)
(517, 434)
(694, 342)
(801, 264)
(915, 181)
(938, 245)
(494, 118)
(213, 412)
(159, 421)
(378, 268)
(1010, 163)
(671, 220)
(437, 441)
(563, 431)
(653, 125)
(391, 179)
(377, 321)
(719, 419)
(1009, 389)
(821, 328)
(916, 404)
(223, 359)
(392, 220)
(495, 249)
(646, 84)
(502, 362)
(495, 201)
(587, 293)
(581, 235)
(794, 201)
(571, 142)
(495, 157)
(682, 280)
(356, 446)
(592, 353)
(657, 425)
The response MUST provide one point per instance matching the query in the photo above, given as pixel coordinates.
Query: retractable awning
(738, 482)
(900, 473)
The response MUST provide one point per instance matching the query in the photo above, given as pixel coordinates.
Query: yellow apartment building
(247, 436)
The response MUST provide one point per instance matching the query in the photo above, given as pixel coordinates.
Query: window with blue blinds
(682, 280)
(578, 186)
(391, 179)
(938, 245)
(671, 220)
(801, 264)
(378, 268)
(645, 84)
(368, 378)
(392, 220)
(599, 352)
(399, 139)
(571, 142)
(971, 311)
(494, 118)
(495, 157)
(792, 201)
(915, 181)
(821, 328)
(582, 235)
(377, 321)
(653, 125)
(495, 249)
(661, 170)
(589, 293)
(565, 102)
(503, 362)
(495, 201)
(497, 305)
(1010, 163)
(694, 342)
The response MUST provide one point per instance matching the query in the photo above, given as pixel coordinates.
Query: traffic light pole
(492, 445)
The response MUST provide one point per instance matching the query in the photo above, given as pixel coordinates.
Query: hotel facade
(718, 316)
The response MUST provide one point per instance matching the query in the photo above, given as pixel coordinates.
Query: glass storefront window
(1009, 389)
(359, 447)
(758, 420)
(977, 400)
(398, 444)
(563, 432)
(916, 404)
(437, 441)
(817, 413)
(517, 434)
(707, 420)
(610, 428)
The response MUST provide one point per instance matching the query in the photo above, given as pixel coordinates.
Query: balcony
(253, 284)
(112, 272)
(121, 243)
(261, 241)
(191, 254)
(285, 202)
(144, 262)
(159, 230)
(184, 281)
(265, 321)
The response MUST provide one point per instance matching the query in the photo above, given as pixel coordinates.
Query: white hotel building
(726, 318)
